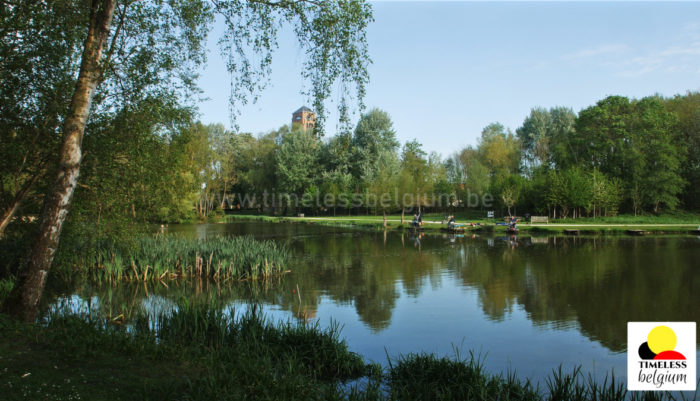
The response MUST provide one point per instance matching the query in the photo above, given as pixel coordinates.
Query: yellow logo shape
(661, 338)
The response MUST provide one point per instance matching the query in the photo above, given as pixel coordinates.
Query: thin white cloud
(639, 66)
(691, 31)
(604, 49)
(628, 62)
(693, 49)
(671, 59)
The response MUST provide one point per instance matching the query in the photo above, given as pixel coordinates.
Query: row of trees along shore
(619, 155)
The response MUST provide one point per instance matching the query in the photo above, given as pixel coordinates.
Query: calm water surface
(527, 304)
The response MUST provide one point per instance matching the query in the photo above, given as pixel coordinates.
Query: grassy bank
(195, 353)
(670, 224)
(167, 257)
(202, 353)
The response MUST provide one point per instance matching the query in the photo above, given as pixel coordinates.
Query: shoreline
(433, 226)
(200, 354)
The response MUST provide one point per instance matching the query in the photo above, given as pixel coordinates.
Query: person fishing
(513, 223)
(451, 222)
(417, 220)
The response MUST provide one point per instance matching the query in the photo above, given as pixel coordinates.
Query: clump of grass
(575, 386)
(321, 353)
(168, 257)
(427, 377)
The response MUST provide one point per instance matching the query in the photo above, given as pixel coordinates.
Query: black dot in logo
(645, 352)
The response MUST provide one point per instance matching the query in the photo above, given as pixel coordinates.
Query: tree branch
(113, 45)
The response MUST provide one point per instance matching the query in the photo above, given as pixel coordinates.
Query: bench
(539, 219)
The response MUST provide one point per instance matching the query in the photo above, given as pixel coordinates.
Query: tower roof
(303, 109)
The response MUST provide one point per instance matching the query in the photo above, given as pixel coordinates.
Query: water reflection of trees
(599, 284)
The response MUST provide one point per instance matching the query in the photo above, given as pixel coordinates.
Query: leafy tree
(386, 180)
(36, 79)
(546, 138)
(577, 190)
(337, 185)
(687, 108)
(562, 144)
(156, 45)
(373, 136)
(499, 150)
(556, 191)
(476, 175)
(296, 160)
(606, 194)
(413, 183)
(636, 142)
(660, 143)
(256, 164)
(534, 137)
(130, 172)
(441, 195)
(508, 189)
(223, 145)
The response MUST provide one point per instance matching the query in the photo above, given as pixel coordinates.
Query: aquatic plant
(169, 257)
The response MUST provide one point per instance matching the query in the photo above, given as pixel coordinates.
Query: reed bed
(172, 257)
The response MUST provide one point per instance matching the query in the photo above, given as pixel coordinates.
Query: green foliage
(374, 136)
(617, 156)
(687, 108)
(508, 189)
(499, 150)
(37, 80)
(296, 159)
(169, 257)
(6, 286)
(546, 138)
(636, 142)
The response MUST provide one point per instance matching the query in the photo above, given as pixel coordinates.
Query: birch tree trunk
(24, 300)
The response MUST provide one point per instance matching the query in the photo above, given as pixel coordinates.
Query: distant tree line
(150, 161)
(619, 155)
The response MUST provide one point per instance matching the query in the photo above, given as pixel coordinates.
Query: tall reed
(169, 257)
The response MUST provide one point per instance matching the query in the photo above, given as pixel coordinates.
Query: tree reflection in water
(596, 283)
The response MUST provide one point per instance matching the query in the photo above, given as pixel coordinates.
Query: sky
(445, 70)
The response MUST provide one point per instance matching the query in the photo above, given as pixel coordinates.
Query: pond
(527, 304)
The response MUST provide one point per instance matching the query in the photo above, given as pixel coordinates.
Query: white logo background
(637, 333)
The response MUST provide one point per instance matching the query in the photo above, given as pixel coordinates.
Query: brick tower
(305, 117)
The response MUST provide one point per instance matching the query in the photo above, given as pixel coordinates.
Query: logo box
(661, 356)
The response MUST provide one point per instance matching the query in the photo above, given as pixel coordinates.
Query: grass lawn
(672, 224)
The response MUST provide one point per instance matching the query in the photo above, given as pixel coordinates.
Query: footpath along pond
(523, 303)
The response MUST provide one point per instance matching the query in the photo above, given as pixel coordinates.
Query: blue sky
(444, 70)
